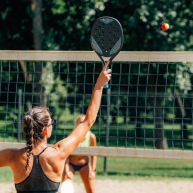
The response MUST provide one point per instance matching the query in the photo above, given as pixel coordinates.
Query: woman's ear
(45, 131)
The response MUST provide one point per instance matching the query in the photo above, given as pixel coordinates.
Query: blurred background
(65, 25)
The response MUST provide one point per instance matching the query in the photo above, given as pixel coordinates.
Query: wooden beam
(123, 56)
(119, 152)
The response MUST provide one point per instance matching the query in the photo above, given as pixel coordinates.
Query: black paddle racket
(107, 38)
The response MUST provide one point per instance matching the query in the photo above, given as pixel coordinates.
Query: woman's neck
(40, 145)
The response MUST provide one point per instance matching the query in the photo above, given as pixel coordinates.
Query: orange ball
(165, 26)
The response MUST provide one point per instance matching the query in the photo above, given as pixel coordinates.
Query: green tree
(66, 25)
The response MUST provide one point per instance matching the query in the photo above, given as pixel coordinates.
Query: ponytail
(28, 130)
(34, 121)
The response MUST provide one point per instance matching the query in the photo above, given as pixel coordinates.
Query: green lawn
(6, 175)
(120, 134)
(132, 169)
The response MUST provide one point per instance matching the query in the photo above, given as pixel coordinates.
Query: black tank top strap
(42, 151)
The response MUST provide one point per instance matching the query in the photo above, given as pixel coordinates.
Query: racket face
(107, 36)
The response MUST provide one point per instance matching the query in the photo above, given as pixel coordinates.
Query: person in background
(81, 163)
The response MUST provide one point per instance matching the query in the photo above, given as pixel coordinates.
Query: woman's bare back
(51, 165)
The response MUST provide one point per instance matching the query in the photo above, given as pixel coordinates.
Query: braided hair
(34, 121)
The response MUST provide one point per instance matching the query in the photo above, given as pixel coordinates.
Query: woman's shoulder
(10, 156)
(92, 135)
(21, 153)
(93, 139)
(16, 151)
(89, 133)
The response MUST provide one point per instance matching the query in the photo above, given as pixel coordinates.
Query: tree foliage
(67, 24)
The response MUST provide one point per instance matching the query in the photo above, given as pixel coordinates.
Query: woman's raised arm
(67, 145)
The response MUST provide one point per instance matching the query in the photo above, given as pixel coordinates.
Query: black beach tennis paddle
(107, 38)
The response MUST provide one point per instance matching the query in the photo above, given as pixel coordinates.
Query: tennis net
(146, 112)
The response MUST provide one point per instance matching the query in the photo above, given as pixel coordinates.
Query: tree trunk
(39, 96)
(138, 130)
(160, 140)
(184, 131)
(27, 78)
(36, 6)
(114, 115)
(0, 79)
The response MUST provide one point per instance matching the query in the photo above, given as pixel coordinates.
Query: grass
(124, 169)
(6, 175)
(146, 167)
(120, 134)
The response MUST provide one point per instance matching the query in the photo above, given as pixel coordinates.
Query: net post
(19, 115)
(107, 129)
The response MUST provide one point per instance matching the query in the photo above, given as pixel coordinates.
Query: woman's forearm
(94, 161)
(93, 108)
(94, 105)
(72, 141)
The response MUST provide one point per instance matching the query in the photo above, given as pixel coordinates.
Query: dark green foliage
(16, 31)
(67, 24)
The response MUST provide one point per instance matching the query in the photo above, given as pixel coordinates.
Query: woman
(81, 163)
(38, 168)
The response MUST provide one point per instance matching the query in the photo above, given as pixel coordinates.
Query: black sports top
(37, 181)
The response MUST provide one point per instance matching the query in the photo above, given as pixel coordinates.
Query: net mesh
(148, 105)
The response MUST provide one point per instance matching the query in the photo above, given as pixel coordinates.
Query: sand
(114, 186)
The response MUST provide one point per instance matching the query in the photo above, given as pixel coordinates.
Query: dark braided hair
(34, 121)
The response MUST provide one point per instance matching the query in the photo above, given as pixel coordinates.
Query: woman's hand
(104, 76)
(68, 170)
(69, 175)
(92, 174)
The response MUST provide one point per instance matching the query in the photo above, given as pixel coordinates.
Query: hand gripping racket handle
(107, 85)
(103, 62)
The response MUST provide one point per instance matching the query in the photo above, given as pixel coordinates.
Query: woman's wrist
(93, 169)
(98, 87)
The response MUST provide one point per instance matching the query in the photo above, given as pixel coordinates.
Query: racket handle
(107, 85)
